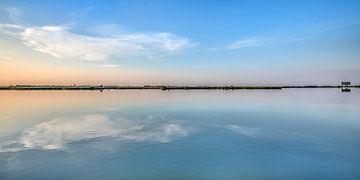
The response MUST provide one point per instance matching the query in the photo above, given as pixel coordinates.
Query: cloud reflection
(60, 132)
(246, 131)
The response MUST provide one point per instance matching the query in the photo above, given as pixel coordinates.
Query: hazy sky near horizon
(179, 42)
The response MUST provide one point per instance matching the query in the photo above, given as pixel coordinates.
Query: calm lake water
(137, 134)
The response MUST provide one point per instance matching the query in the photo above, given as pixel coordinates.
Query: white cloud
(60, 42)
(59, 132)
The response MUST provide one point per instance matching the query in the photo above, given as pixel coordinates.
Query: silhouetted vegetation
(164, 88)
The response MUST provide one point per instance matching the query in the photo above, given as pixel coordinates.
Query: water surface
(137, 134)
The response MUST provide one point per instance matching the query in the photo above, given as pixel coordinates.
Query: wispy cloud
(331, 25)
(244, 43)
(80, 13)
(62, 131)
(262, 41)
(5, 57)
(294, 39)
(61, 42)
(14, 13)
(11, 30)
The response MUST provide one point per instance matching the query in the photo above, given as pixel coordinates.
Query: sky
(179, 42)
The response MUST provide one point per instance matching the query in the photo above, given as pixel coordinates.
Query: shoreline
(164, 88)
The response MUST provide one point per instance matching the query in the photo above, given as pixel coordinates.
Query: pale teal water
(287, 134)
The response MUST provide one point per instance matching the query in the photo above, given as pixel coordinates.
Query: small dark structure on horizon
(345, 86)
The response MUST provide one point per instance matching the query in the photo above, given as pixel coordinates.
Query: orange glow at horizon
(22, 73)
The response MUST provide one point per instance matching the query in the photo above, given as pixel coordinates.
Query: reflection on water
(288, 134)
(56, 133)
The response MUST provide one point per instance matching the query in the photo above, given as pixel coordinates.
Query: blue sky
(264, 42)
